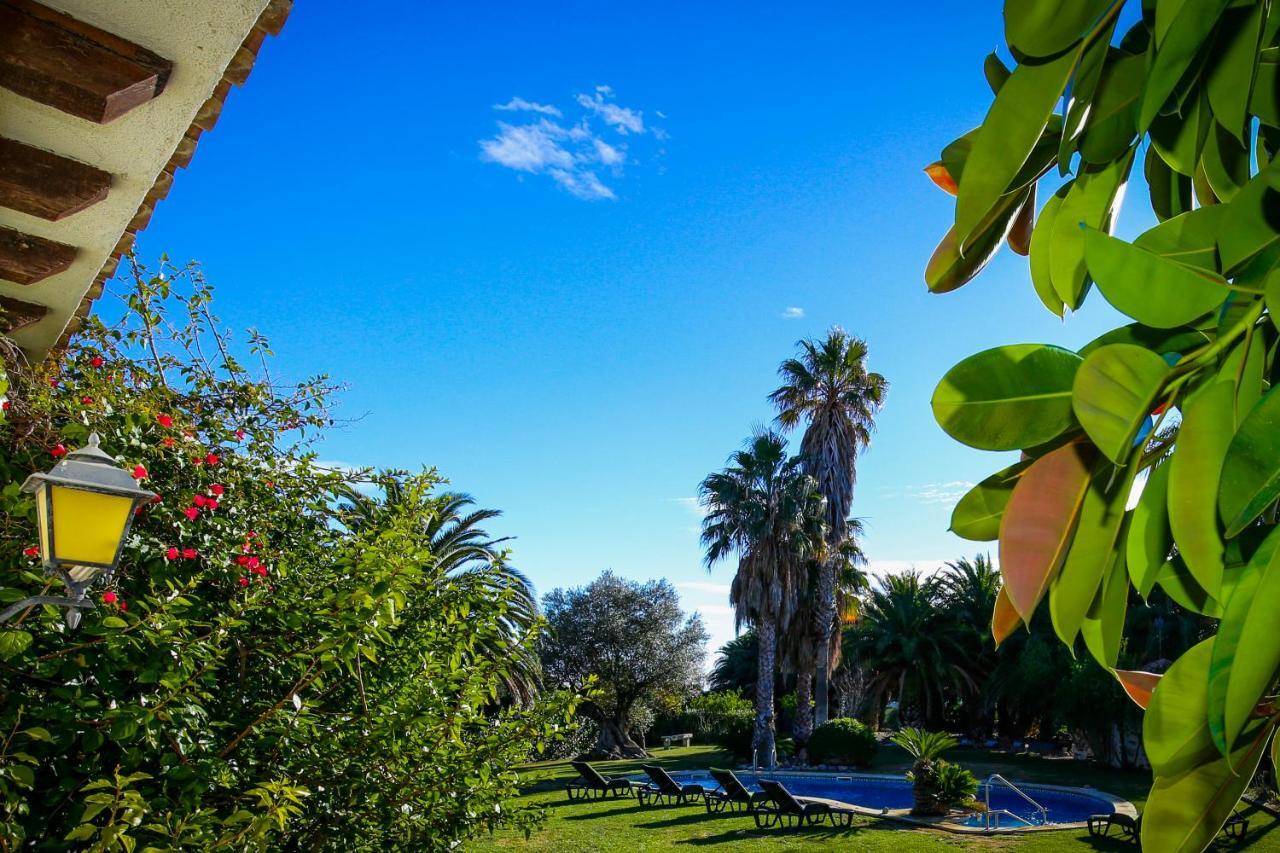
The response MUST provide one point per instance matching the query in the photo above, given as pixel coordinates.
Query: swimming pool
(878, 793)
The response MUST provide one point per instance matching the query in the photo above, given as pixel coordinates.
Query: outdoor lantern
(84, 506)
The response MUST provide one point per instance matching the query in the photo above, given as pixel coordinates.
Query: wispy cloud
(703, 587)
(693, 505)
(939, 493)
(575, 154)
(792, 312)
(519, 104)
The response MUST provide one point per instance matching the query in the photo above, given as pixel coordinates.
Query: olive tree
(1150, 456)
(632, 642)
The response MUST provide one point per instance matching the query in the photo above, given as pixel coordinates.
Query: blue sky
(575, 312)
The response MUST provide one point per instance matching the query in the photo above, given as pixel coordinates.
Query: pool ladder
(998, 813)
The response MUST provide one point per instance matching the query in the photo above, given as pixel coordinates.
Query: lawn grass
(623, 826)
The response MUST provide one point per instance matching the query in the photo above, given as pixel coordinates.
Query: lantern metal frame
(88, 469)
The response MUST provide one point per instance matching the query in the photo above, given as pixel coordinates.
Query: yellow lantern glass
(87, 526)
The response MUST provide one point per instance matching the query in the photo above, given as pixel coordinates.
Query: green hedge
(843, 741)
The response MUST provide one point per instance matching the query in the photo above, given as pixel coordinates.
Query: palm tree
(828, 387)
(925, 748)
(735, 666)
(914, 650)
(460, 547)
(767, 511)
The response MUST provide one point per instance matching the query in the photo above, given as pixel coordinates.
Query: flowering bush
(258, 672)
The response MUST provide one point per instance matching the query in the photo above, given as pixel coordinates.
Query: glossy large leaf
(1180, 137)
(1184, 813)
(1163, 341)
(1024, 221)
(1138, 685)
(1175, 730)
(1149, 288)
(1005, 619)
(1186, 33)
(1103, 625)
(1148, 542)
(1008, 397)
(1242, 667)
(1189, 238)
(1251, 471)
(1038, 522)
(977, 515)
(1208, 421)
(1089, 203)
(1230, 80)
(1252, 219)
(948, 269)
(1080, 100)
(1034, 28)
(1093, 548)
(1114, 391)
(1041, 251)
(1009, 132)
(1225, 162)
(1170, 191)
(1180, 585)
(1113, 117)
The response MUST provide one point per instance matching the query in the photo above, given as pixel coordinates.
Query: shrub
(843, 741)
(950, 785)
(735, 732)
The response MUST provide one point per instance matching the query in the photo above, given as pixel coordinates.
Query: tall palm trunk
(825, 617)
(802, 728)
(767, 632)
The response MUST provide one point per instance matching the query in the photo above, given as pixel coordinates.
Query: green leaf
(1175, 730)
(995, 71)
(1180, 137)
(977, 515)
(1225, 162)
(1037, 29)
(1250, 672)
(1176, 340)
(1180, 585)
(1208, 421)
(1089, 203)
(114, 622)
(1112, 122)
(1185, 813)
(13, 643)
(1174, 53)
(1252, 220)
(1170, 191)
(1128, 277)
(1036, 530)
(1009, 132)
(1251, 471)
(1093, 548)
(1114, 391)
(1041, 251)
(1229, 80)
(1008, 397)
(1147, 545)
(1189, 238)
(1080, 93)
(1103, 625)
(948, 269)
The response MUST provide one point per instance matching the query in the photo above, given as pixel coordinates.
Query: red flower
(242, 560)
(156, 499)
(199, 500)
(139, 472)
(189, 553)
(168, 441)
(197, 461)
(4, 406)
(58, 450)
(53, 383)
(171, 553)
(240, 434)
(109, 597)
(260, 570)
(124, 606)
(137, 510)
(212, 459)
(164, 420)
(88, 401)
(191, 512)
(33, 551)
(216, 489)
(244, 581)
(211, 504)
(96, 361)
(254, 563)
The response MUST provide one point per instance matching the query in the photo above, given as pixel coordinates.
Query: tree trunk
(802, 728)
(824, 619)
(616, 743)
(767, 633)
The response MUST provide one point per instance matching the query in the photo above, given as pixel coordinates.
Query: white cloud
(939, 493)
(575, 155)
(792, 313)
(703, 587)
(622, 119)
(693, 505)
(519, 104)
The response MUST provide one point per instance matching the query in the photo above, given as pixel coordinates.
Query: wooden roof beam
(26, 259)
(50, 57)
(14, 313)
(48, 185)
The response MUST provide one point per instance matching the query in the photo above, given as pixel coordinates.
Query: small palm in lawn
(926, 749)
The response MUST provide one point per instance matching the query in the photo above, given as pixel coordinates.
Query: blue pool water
(893, 792)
